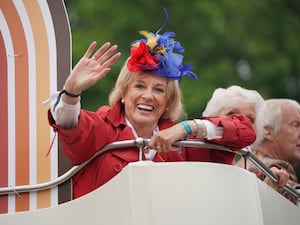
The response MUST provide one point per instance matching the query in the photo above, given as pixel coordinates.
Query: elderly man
(280, 147)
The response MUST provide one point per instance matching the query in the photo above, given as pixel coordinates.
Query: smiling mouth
(145, 107)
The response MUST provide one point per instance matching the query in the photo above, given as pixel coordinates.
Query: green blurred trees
(252, 43)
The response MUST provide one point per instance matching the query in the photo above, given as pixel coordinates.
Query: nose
(147, 94)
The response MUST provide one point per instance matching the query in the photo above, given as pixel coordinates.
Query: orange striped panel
(33, 25)
(21, 101)
(42, 92)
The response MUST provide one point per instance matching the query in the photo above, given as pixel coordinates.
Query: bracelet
(69, 94)
(199, 125)
(59, 97)
(186, 127)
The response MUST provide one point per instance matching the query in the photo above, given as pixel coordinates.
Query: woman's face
(145, 100)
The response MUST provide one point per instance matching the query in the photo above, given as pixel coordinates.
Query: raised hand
(91, 68)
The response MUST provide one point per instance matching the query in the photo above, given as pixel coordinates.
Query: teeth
(145, 107)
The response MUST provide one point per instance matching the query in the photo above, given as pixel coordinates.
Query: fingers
(103, 49)
(112, 60)
(160, 144)
(146, 149)
(282, 176)
(165, 139)
(159, 148)
(105, 55)
(90, 49)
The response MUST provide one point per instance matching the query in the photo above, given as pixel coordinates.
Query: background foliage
(251, 43)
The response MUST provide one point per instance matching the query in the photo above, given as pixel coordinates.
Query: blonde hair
(174, 108)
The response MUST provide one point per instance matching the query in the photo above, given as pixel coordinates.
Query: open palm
(90, 69)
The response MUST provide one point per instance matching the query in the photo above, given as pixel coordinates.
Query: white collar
(152, 152)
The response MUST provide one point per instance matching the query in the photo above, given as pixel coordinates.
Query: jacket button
(118, 167)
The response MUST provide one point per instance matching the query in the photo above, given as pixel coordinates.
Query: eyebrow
(157, 84)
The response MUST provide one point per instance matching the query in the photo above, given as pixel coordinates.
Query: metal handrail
(141, 143)
(70, 173)
(247, 154)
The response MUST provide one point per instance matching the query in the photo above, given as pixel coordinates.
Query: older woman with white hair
(238, 100)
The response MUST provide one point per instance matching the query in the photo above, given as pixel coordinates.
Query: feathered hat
(155, 55)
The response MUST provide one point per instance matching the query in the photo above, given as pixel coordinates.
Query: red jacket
(107, 125)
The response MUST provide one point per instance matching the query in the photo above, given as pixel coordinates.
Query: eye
(159, 90)
(230, 113)
(252, 120)
(139, 86)
(296, 124)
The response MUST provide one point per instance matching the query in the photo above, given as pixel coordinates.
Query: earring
(122, 101)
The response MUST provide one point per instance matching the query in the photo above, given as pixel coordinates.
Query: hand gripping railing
(247, 154)
(141, 143)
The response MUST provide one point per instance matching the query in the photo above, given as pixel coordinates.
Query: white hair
(274, 112)
(236, 96)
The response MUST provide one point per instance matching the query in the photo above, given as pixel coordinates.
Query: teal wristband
(186, 127)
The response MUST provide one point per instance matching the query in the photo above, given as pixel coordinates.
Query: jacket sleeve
(238, 131)
(82, 142)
